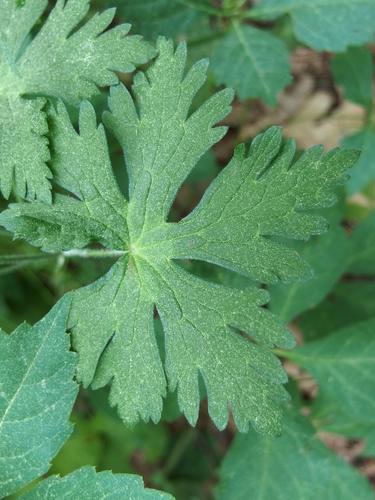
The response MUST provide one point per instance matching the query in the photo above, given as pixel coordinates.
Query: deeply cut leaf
(60, 61)
(37, 393)
(259, 196)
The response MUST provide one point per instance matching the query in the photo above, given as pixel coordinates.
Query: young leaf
(61, 61)
(362, 251)
(327, 256)
(257, 197)
(86, 484)
(294, 466)
(324, 24)
(354, 70)
(36, 397)
(343, 363)
(253, 62)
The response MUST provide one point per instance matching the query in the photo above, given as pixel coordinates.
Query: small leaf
(253, 62)
(36, 397)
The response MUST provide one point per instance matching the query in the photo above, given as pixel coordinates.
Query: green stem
(69, 254)
(285, 354)
(93, 254)
(18, 258)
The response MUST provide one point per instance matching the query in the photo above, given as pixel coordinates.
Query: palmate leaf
(37, 393)
(325, 24)
(259, 196)
(60, 61)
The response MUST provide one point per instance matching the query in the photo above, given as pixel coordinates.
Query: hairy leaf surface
(86, 484)
(262, 196)
(63, 60)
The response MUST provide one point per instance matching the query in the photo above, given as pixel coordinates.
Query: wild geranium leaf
(325, 24)
(37, 393)
(327, 256)
(343, 363)
(86, 484)
(258, 196)
(353, 70)
(60, 61)
(294, 466)
(253, 62)
(362, 248)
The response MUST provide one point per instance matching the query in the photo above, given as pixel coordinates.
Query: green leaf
(327, 255)
(258, 196)
(324, 24)
(152, 18)
(253, 62)
(60, 61)
(343, 364)
(294, 466)
(354, 70)
(362, 251)
(86, 484)
(36, 396)
(350, 302)
(363, 172)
